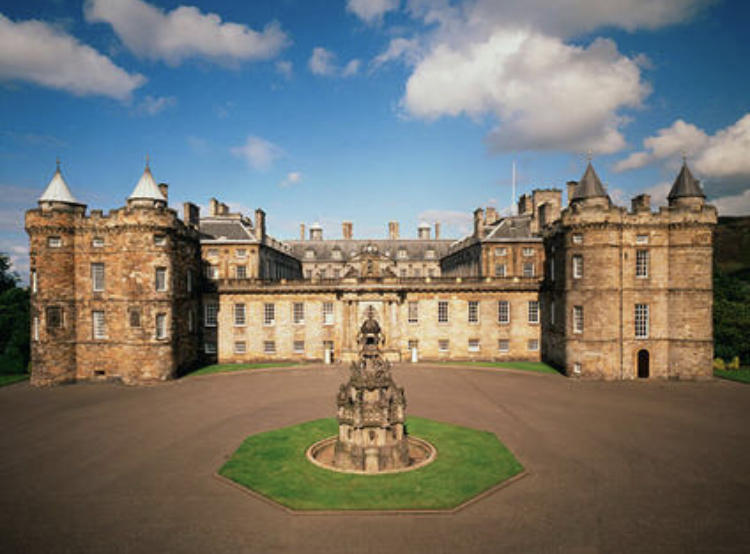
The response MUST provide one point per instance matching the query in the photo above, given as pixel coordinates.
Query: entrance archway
(643, 364)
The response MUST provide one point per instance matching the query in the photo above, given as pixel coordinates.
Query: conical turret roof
(57, 190)
(590, 186)
(147, 188)
(685, 185)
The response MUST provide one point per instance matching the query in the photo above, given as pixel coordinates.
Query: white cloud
(544, 93)
(720, 159)
(152, 105)
(284, 68)
(680, 138)
(35, 51)
(406, 50)
(258, 153)
(463, 222)
(292, 178)
(371, 11)
(323, 62)
(184, 32)
(738, 204)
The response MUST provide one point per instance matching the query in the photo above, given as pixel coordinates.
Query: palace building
(140, 294)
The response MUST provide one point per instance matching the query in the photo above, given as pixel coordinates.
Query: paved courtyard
(613, 467)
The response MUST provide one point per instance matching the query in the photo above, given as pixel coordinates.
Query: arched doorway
(643, 362)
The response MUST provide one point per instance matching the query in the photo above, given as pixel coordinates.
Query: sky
(369, 110)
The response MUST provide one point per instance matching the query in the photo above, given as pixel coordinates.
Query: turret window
(99, 324)
(97, 277)
(161, 279)
(578, 319)
(577, 266)
(54, 242)
(641, 263)
(53, 316)
(161, 326)
(97, 242)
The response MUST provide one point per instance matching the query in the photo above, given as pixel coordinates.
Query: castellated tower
(628, 294)
(113, 296)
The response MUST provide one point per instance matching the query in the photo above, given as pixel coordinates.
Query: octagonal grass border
(469, 462)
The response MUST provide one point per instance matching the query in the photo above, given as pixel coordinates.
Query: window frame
(443, 309)
(577, 266)
(98, 281)
(160, 324)
(500, 311)
(211, 314)
(328, 312)
(642, 259)
(533, 309)
(269, 314)
(578, 319)
(239, 313)
(298, 313)
(98, 332)
(472, 313)
(165, 286)
(642, 321)
(412, 312)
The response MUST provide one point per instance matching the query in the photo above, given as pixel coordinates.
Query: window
(213, 251)
(53, 316)
(134, 317)
(161, 326)
(209, 347)
(298, 313)
(35, 327)
(578, 319)
(336, 273)
(189, 280)
(641, 263)
(269, 314)
(528, 269)
(33, 280)
(212, 272)
(240, 272)
(443, 345)
(641, 239)
(533, 345)
(402, 255)
(503, 311)
(240, 347)
(336, 254)
(54, 242)
(503, 345)
(239, 315)
(413, 343)
(473, 311)
(577, 368)
(577, 266)
(552, 312)
(269, 347)
(473, 345)
(442, 311)
(99, 325)
(429, 254)
(641, 321)
(533, 311)
(299, 347)
(161, 279)
(413, 312)
(97, 242)
(577, 238)
(240, 253)
(97, 277)
(501, 251)
(308, 274)
(309, 254)
(191, 321)
(327, 313)
(528, 252)
(499, 270)
(160, 240)
(328, 345)
(210, 313)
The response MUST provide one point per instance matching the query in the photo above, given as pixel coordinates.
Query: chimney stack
(301, 231)
(346, 230)
(191, 214)
(641, 203)
(437, 230)
(571, 187)
(260, 225)
(478, 222)
(423, 231)
(491, 215)
(213, 207)
(316, 232)
(164, 189)
(393, 230)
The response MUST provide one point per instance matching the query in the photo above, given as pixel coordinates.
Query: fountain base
(323, 454)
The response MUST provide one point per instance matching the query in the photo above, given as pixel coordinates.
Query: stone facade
(599, 291)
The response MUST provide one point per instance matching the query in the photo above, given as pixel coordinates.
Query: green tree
(731, 317)
(14, 321)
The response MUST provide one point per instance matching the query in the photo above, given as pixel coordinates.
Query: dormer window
(97, 242)
(430, 254)
(402, 255)
(336, 254)
(309, 254)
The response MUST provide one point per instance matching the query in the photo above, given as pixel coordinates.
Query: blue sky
(369, 110)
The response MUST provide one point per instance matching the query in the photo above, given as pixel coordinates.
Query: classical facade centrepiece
(140, 294)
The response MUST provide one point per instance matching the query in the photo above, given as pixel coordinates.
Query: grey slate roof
(57, 190)
(685, 185)
(146, 188)
(225, 229)
(415, 249)
(590, 186)
(510, 228)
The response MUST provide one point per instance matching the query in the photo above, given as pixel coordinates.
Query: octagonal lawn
(612, 467)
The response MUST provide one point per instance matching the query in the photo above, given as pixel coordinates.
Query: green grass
(274, 465)
(539, 367)
(741, 375)
(9, 379)
(227, 368)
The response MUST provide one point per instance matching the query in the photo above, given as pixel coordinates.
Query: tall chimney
(164, 189)
(423, 231)
(437, 230)
(393, 230)
(213, 207)
(301, 231)
(478, 222)
(191, 214)
(571, 187)
(260, 225)
(346, 230)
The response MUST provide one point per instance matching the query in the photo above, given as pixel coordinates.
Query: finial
(147, 167)
(684, 156)
(57, 162)
(589, 154)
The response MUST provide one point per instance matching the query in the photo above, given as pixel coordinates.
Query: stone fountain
(370, 412)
